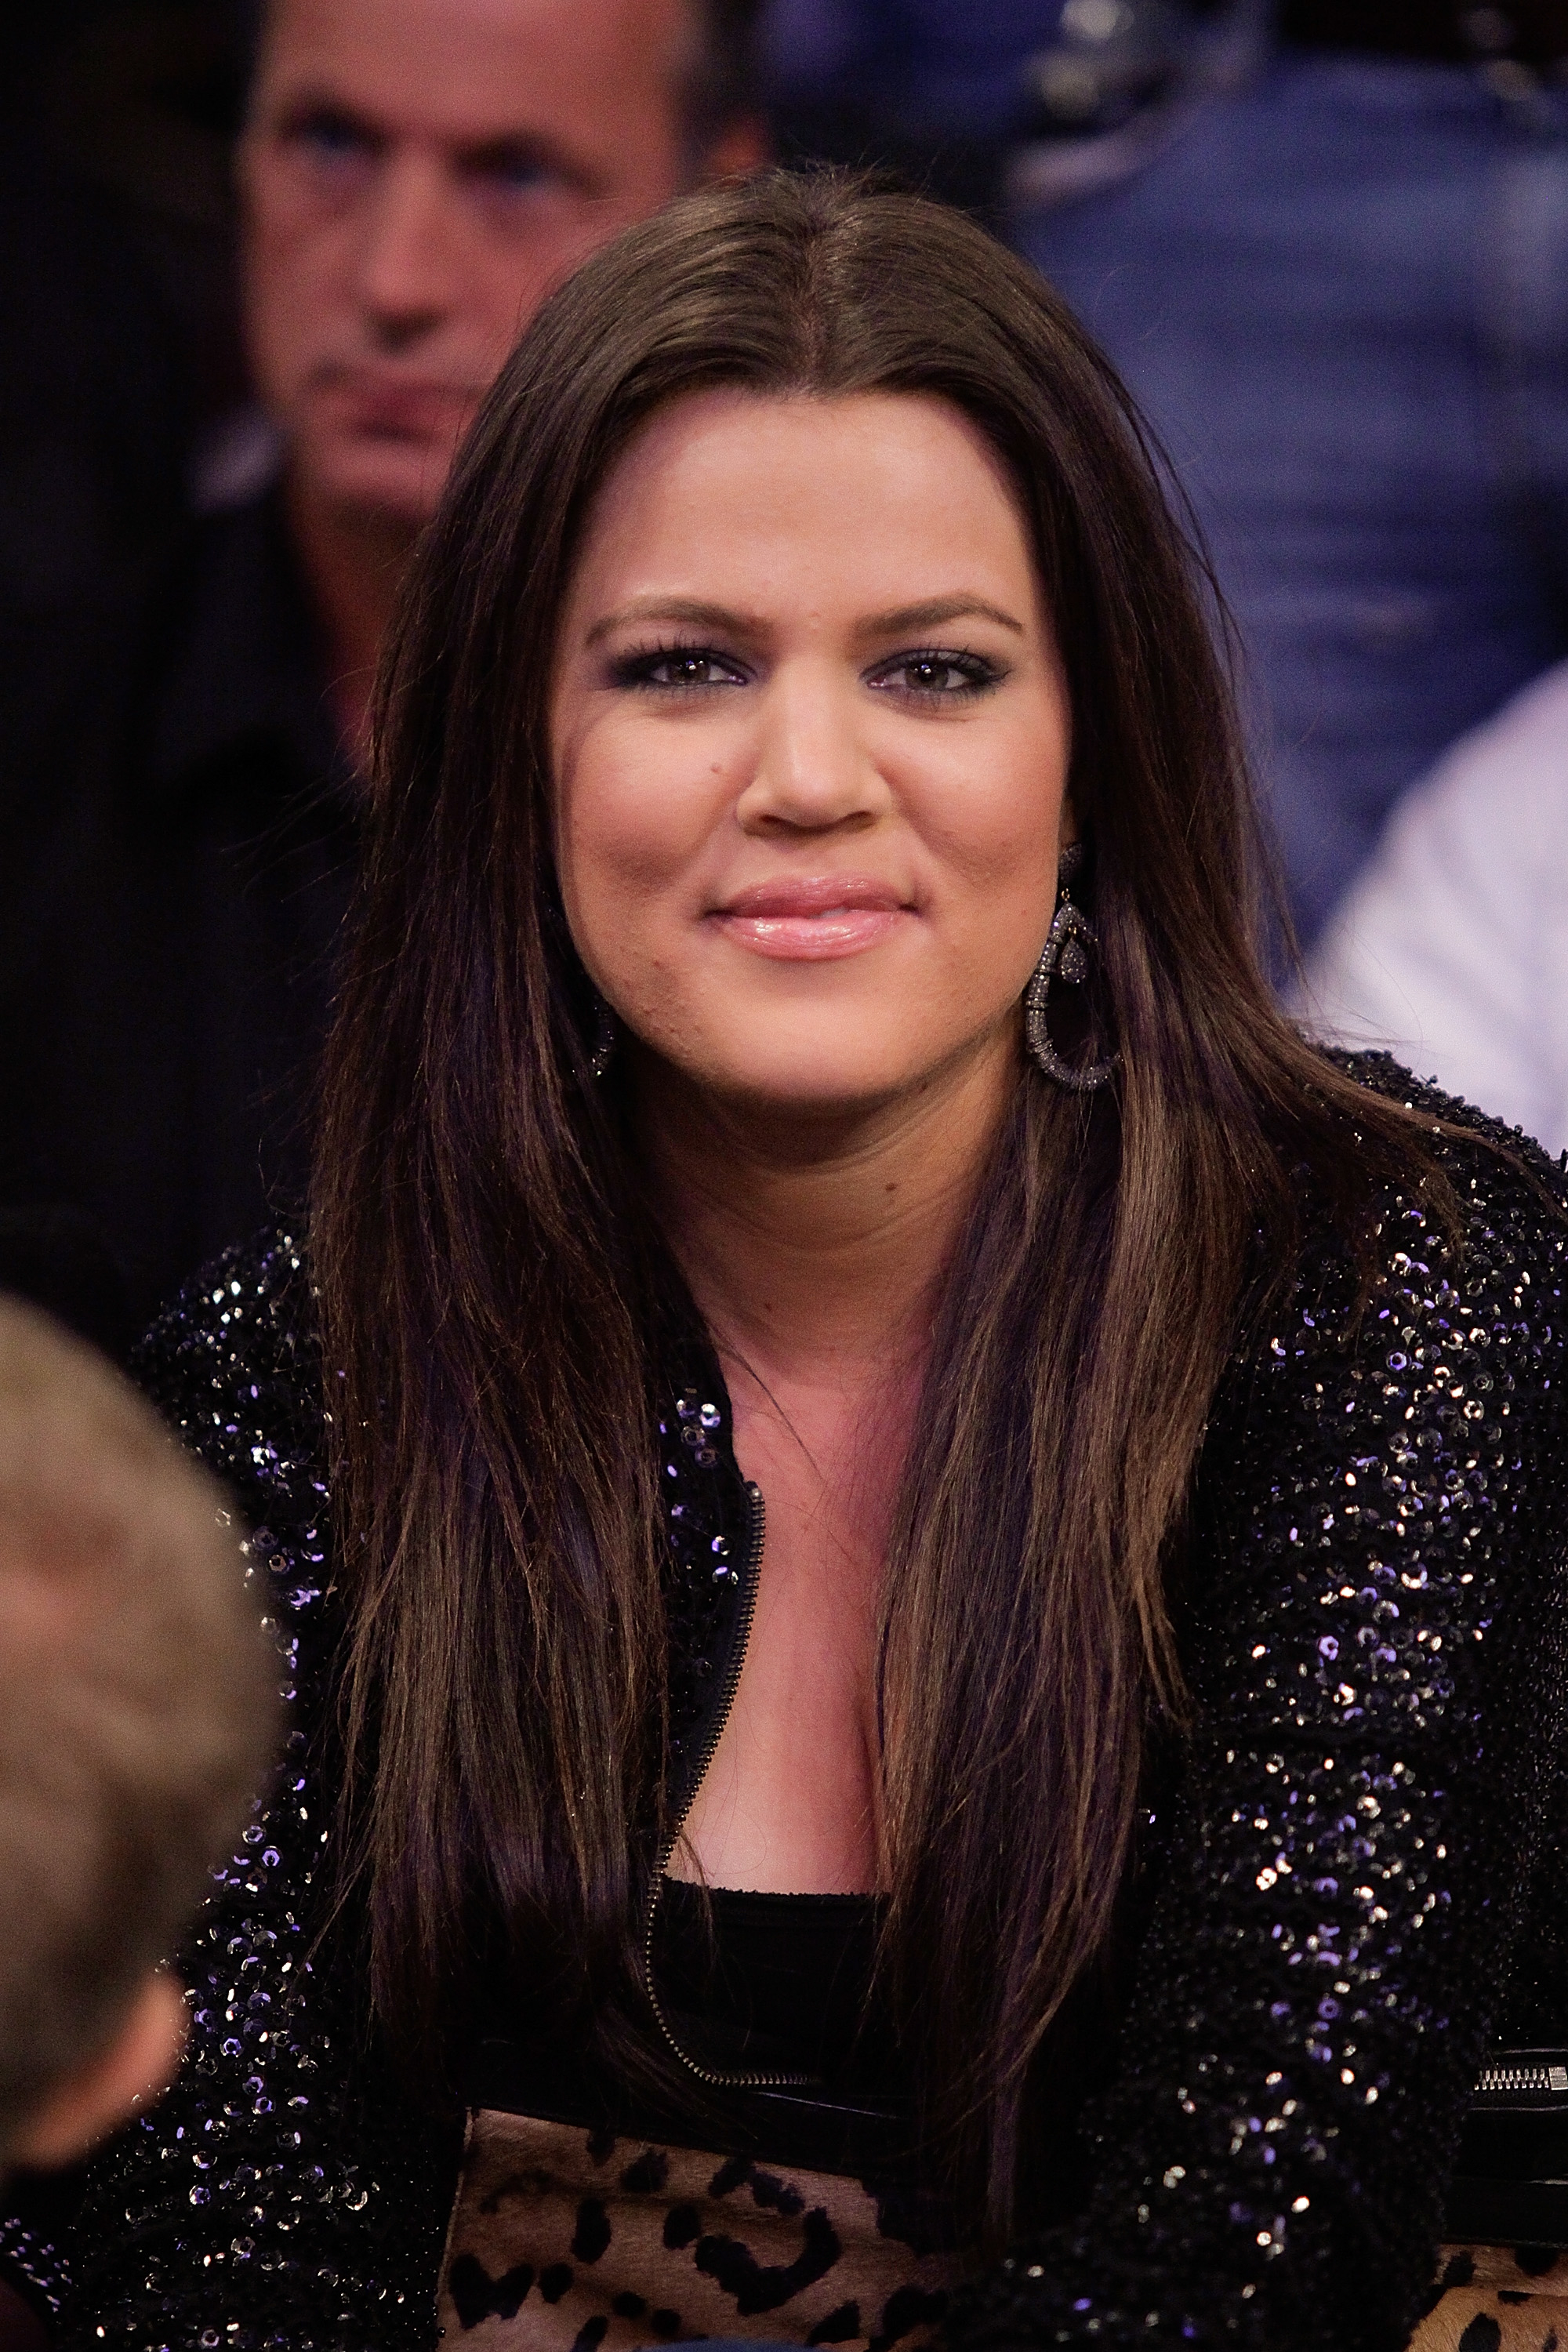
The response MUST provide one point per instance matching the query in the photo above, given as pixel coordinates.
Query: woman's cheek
(650, 796)
(631, 882)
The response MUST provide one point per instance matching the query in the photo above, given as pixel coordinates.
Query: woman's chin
(814, 1081)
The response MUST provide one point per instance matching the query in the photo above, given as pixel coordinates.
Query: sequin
(1361, 1872)
(1356, 1867)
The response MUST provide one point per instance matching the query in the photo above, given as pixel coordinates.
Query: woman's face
(810, 743)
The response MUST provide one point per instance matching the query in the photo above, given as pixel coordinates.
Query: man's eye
(515, 171)
(330, 138)
(937, 674)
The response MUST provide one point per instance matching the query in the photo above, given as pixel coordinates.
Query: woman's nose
(812, 771)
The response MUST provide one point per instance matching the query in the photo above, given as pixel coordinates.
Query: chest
(789, 1799)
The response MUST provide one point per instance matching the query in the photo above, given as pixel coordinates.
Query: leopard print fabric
(1498, 2299)
(564, 2239)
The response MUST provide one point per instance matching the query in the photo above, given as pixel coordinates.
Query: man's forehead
(472, 69)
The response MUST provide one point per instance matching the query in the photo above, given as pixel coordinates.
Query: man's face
(416, 177)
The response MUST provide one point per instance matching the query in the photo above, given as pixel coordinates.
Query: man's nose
(812, 767)
(407, 261)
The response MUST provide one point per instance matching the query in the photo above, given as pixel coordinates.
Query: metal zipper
(1522, 2077)
(748, 1605)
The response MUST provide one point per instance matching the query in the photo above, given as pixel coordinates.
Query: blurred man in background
(138, 1709)
(416, 176)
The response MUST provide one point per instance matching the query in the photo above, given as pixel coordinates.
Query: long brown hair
(489, 1283)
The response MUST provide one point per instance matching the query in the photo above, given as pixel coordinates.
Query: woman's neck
(815, 1252)
(816, 1245)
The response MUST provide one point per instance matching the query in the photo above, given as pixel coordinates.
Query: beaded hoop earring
(1070, 943)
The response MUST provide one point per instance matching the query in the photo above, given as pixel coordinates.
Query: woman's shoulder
(1502, 1158)
(1450, 1314)
(1392, 1425)
(234, 1365)
(1510, 1254)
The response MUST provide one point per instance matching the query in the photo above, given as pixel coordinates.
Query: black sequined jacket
(1359, 1879)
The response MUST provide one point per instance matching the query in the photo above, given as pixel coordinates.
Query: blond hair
(138, 1700)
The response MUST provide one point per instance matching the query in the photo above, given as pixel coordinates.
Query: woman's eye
(937, 675)
(676, 667)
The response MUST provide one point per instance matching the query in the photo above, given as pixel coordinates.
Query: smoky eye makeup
(937, 674)
(676, 667)
(931, 675)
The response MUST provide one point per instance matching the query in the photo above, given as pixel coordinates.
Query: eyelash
(977, 672)
(635, 669)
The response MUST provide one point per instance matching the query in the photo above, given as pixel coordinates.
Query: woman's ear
(139, 2063)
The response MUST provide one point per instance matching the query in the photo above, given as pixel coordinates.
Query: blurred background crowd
(257, 263)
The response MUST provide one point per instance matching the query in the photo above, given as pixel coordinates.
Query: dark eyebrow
(933, 613)
(928, 614)
(674, 608)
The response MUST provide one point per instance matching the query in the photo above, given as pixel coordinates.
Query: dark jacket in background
(173, 878)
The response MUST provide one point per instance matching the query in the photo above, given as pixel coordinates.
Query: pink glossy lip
(813, 917)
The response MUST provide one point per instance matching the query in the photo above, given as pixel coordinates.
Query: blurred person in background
(934, 89)
(137, 1712)
(415, 176)
(1451, 948)
(1339, 293)
(1325, 242)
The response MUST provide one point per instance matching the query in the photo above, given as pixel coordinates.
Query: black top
(1355, 1882)
(775, 1989)
(173, 878)
(776, 1984)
